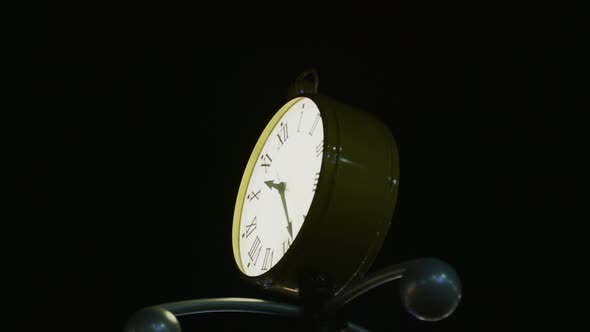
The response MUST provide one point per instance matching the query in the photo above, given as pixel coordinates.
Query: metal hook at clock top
(306, 83)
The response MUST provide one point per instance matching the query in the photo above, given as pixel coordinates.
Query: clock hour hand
(280, 186)
(281, 189)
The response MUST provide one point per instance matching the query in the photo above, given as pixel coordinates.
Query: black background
(135, 160)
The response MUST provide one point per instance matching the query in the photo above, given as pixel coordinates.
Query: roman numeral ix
(250, 228)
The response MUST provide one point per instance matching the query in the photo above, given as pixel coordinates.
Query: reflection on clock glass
(281, 187)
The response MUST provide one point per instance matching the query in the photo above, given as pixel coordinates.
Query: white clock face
(281, 187)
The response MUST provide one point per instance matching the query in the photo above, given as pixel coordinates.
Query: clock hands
(280, 187)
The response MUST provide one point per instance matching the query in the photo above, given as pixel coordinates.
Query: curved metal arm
(375, 280)
(430, 290)
(231, 304)
(162, 318)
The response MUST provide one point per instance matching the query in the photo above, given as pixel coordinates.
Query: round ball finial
(153, 319)
(430, 289)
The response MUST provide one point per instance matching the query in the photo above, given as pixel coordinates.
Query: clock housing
(352, 207)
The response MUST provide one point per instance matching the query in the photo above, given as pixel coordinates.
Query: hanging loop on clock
(306, 83)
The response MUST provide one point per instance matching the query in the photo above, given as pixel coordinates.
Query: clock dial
(281, 187)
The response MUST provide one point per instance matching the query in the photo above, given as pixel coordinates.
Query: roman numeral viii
(254, 251)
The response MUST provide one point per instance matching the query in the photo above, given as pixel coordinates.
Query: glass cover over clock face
(281, 187)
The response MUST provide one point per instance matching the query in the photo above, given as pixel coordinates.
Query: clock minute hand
(281, 188)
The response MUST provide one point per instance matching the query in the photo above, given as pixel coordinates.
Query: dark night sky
(137, 179)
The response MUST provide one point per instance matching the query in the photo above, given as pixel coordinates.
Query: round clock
(317, 195)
